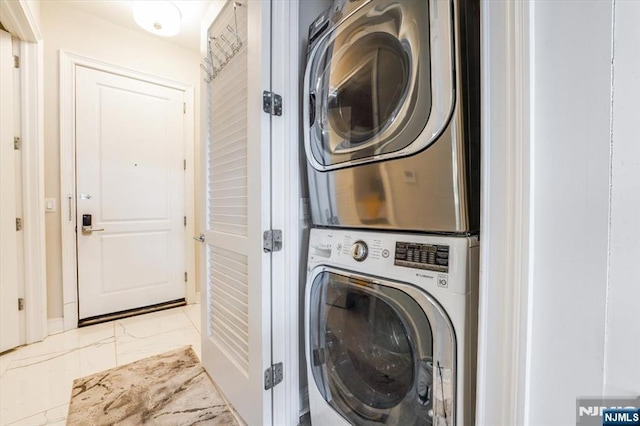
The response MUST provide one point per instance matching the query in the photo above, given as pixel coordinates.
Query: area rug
(168, 389)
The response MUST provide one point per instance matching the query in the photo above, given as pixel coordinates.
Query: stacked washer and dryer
(391, 133)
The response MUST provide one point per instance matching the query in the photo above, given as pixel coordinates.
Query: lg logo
(443, 281)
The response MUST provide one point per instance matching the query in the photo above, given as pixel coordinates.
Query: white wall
(584, 321)
(622, 332)
(76, 32)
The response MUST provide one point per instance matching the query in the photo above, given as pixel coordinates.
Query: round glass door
(367, 88)
(372, 352)
(369, 83)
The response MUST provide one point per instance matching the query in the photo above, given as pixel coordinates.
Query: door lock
(87, 227)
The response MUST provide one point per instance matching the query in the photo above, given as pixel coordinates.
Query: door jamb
(286, 193)
(68, 63)
(19, 20)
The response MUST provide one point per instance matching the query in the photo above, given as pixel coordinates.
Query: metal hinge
(16, 61)
(18, 224)
(17, 143)
(184, 108)
(271, 103)
(185, 277)
(273, 375)
(184, 164)
(185, 221)
(272, 240)
(21, 304)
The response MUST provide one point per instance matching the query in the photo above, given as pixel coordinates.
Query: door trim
(68, 63)
(505, 298)
(35, 273)
(285, 214)
(19, 20)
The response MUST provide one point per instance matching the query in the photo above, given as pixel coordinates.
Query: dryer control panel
(422, 256)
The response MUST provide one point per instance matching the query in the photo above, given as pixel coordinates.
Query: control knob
(359, 250)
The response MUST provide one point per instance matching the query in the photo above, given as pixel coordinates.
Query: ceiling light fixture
(157, 17)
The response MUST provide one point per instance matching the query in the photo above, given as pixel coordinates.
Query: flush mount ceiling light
(158, 17)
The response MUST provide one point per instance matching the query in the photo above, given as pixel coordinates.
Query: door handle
(89, 229)
(87, 225)
(199, 238)
(312, 109)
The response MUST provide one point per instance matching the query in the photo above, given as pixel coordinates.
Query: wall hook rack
(213, 63)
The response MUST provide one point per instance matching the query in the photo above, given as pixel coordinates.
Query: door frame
(68, 63)
(507, 142)
(286, 188)
(18, 18)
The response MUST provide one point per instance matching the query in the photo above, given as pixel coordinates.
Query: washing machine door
(379, 84)
(381, 352)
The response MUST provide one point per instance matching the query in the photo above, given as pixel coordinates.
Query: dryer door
(381, 352)
(379, 84)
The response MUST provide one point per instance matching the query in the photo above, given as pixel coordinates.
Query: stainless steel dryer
(391, 117)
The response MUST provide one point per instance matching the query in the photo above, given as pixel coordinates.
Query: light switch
(49, 205)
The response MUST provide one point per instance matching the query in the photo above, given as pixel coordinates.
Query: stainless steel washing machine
(391, 328)
(391, 115)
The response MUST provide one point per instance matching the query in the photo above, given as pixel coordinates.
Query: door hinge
(272, 240)
(185, 277)
(272, 103)
(18, 224)
(21, 304)
(273, 375)
(184, 107)
(16, 61)
(185, 221)
(17, 143)
(184, 164)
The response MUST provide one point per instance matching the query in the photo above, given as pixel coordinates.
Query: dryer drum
(369, 97)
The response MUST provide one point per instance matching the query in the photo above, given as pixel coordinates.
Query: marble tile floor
(36, 380)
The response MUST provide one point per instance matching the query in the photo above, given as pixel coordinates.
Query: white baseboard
(56, 325)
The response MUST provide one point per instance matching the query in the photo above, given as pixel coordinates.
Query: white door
(130, 180)
(236, 348)
(9, 317)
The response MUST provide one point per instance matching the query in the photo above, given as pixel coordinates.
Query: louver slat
(227, 165)
(228, 303)
(227, 288)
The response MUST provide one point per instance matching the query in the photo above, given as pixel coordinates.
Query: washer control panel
(422, 256)
(359, 250)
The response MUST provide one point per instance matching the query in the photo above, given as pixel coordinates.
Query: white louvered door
(236, 347)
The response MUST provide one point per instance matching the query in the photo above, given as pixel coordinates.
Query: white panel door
(130, 179)
(9, 317)
(236, 348)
